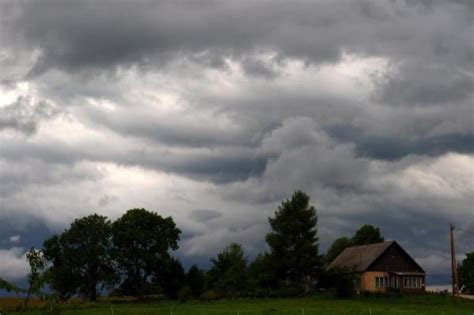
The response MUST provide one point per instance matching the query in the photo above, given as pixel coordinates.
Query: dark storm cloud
(394, 148)
(88, 34)
(428, 42)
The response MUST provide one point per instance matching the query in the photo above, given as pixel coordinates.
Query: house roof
(360, 257)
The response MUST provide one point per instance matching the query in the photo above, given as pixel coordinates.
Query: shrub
(209, 295)
(185, 294)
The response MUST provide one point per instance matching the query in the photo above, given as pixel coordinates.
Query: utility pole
(454, 264)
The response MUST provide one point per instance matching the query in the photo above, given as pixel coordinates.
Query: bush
(209, 295)
(185, 294)
(345, 286)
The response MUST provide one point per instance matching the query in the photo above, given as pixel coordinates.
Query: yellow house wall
(367, 281)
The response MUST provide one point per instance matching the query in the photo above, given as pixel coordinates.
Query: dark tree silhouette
(80, 257)
(141, 243)
(196, 281)
(367, 234)
(466, 272)
(293, 242)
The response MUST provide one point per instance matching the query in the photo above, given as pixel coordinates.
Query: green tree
(367, 234)
(36, 278)
(196, 281)
(294, 244)
(466, 272)
(142, 241)
(337, 247)
(80, 257)
(228, 273)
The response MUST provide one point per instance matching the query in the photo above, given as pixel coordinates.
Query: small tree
(367, 234)
(170, 277)
(36, 278)
(466, 272)
(196, 281)
(228, 273)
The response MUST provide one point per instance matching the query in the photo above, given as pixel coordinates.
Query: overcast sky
(213, 112)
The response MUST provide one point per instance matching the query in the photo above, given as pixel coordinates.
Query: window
(412, 283)
(381, 282)
(395, 283)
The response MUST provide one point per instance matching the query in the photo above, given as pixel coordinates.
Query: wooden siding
(394, 259)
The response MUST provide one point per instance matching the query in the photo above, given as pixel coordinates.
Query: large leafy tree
(293, 242)
(337, 247)
(466, 272)
(142, 240)
(228, 273)
(367, 234)
(80, 257)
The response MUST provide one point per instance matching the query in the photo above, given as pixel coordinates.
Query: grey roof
(359, 257)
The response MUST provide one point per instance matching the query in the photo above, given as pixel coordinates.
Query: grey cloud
(396, 147)
(246, 99)
(204, 215)
(418, 84)
(25, 115)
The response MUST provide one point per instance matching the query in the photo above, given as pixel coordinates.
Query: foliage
(367, 234)
(337, 247)
(185, 294)
(293, 242)
(466, 272)
(141, 241)
(261, 277)
(196, 281)
(36, 278)
(80, 258)
(228, 273)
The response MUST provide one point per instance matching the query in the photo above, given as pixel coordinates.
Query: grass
(410, 305)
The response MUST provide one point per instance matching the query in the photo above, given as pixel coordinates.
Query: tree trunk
(93, 294)
(27, 299)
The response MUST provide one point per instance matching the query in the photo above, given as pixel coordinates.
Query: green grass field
(420, 305)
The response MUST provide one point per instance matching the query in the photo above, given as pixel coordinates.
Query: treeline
(132, 257)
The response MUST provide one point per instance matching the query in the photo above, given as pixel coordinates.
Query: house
(382, 267)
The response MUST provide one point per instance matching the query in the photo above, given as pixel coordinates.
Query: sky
(213, 112)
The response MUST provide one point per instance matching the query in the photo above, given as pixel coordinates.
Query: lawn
(420, 305)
